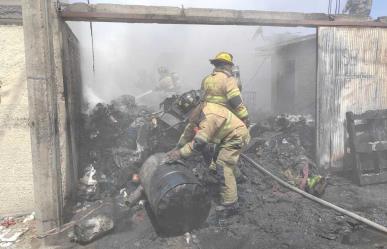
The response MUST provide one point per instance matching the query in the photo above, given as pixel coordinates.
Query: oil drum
(178, 201)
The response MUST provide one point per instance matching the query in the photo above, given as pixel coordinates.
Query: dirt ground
(270, 217)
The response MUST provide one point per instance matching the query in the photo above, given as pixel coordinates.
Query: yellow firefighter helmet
(223, 57)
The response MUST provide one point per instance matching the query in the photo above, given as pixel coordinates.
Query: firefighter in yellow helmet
(168, 81)
(223, 88)
(213, 123)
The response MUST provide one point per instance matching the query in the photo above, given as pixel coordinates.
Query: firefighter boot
(227, 210)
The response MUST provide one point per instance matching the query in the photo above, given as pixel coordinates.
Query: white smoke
(127, 55)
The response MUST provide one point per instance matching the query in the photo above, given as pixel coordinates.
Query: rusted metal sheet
(352, 76)
(176, 15)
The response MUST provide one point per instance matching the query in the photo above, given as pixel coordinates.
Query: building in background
(293, 74)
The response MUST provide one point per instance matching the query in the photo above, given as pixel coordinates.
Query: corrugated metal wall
(352, 76)
(250, 99)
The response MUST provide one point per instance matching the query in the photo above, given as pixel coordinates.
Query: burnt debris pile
(286, 143)
(284, 138)
(110, 149)
(118, 137)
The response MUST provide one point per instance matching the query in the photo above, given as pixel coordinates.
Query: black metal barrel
(179, 202)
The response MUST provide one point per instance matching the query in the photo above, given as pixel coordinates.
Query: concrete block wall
(16, 183)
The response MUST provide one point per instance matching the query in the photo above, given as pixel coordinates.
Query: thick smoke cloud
(127, 55)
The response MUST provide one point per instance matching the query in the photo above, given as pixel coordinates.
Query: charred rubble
(119, 136)
(116, 139)
(109, 150)
(286, 143)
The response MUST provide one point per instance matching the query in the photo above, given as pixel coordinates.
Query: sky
(127, 55)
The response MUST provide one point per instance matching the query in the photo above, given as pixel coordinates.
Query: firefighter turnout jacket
(215, 123)
(221, 87)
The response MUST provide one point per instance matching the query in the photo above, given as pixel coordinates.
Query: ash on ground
(270, 215)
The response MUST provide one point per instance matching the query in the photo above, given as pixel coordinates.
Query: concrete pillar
(42, 36)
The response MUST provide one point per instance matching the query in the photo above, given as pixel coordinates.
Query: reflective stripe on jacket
(220, 87)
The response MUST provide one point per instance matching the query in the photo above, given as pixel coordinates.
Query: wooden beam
(175, 15)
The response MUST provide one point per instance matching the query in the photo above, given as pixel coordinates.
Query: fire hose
(316, 199)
